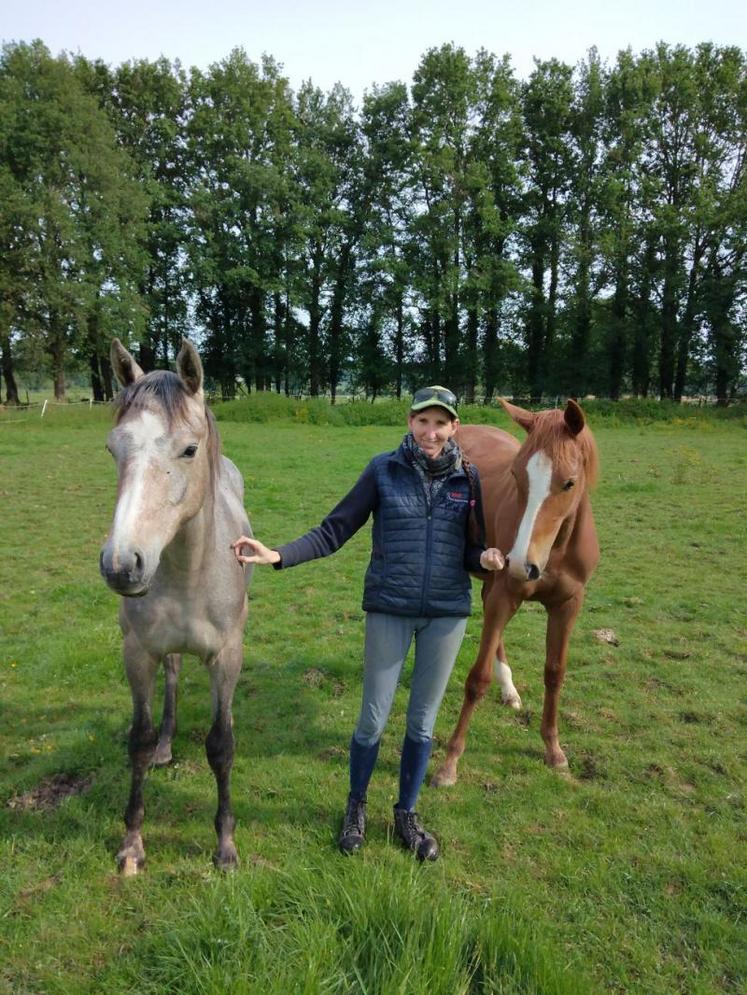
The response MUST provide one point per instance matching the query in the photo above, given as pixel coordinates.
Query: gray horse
(179, 506)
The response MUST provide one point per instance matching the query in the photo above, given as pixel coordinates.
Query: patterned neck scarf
(433, 472)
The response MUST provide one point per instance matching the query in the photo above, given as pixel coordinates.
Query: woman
(427, 535)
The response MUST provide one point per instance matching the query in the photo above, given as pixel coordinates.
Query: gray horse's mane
(166, 390)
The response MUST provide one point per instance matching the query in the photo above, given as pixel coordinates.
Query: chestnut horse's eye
(189, 452)
(568, 484)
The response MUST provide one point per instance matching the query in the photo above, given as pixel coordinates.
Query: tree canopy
(581, 231)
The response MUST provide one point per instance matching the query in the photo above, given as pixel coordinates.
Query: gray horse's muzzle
(128, 576)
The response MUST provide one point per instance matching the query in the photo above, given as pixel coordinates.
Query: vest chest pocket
(456, 503)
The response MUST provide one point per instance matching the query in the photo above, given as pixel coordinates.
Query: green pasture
(628, 875)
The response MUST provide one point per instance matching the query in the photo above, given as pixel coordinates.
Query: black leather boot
(353, 832)
(413, 836)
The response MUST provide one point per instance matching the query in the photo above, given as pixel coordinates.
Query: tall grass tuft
(374, 930)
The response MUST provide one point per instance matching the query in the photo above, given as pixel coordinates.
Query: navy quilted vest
(417, 557)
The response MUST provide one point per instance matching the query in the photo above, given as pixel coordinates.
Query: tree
(444, 93)
(387, 223)
(546, 100)
(235, 129)
(81, 206)
(494, 184)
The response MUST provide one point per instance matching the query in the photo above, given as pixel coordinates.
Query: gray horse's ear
(573, 417)
(520, 415)
(189, 367)
(126, 370)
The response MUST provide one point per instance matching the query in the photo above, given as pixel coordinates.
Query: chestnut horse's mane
(170, 394)
(550, 432)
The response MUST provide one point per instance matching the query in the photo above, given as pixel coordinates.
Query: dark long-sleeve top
(421, 556)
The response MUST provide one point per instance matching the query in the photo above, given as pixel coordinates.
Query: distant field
(627, 876)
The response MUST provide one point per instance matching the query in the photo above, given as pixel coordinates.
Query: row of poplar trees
(581, 231)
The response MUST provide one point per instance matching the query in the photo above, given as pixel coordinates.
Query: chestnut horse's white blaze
(539, 473)
(536, 506)
(179, 506)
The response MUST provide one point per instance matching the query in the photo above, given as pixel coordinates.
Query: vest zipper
(429, 541)
(428, 545)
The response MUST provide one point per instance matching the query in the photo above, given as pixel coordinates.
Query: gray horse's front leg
(172, 664)
(141, 671)
(219, 745)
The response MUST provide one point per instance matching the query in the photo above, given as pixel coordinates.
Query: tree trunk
(490, 353)
(668, 320)
(315, 320)
(257, 337)
(536, 327)
(56, 349)
(470, 357)
(617, 345)
(399, 345)
(6, 362)
(97, 388)
(335, 322)
(688, 324)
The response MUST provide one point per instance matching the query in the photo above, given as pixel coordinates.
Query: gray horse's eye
(189, 452)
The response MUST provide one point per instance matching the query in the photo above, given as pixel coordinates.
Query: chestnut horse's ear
(189, 367)
(573, 417)
(520, 415)
(126, 370)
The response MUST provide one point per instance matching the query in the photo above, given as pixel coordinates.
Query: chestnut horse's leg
(172, 664)
(141, 671)
(560, 621)
(498, 610)
(219, 745)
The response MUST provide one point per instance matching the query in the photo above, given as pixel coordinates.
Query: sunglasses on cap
(439, 396)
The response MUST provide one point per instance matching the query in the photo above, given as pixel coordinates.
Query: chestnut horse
(179, 506)
(537, 507)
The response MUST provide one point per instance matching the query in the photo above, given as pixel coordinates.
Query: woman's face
(431, 429)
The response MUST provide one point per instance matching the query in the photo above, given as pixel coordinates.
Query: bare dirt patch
(50, 793)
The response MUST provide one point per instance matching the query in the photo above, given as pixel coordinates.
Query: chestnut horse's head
(553, 470)
(166, 449)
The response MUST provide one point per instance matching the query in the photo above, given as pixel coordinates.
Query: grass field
(626, 876)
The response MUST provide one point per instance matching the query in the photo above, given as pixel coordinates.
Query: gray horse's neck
(193, 545)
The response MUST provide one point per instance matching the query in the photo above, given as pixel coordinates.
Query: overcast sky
(364, 43)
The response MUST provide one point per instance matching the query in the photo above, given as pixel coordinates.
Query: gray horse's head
(166, 449)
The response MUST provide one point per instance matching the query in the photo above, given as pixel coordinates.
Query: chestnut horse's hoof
(557, 761)
(444, 777)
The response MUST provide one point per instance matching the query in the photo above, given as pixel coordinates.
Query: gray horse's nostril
(532, 571)
(138, 562)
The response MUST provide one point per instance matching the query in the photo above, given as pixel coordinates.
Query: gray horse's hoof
(226, 858)
(130, 861)
(162, 757)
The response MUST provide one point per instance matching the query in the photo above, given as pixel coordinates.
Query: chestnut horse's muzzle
(124, 574)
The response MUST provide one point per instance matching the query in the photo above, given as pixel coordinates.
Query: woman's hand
(492, 559)
(259, 552)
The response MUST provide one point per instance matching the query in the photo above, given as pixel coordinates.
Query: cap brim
(433, 403)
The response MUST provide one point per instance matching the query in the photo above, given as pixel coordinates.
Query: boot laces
(412, 828)
(355, 818)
